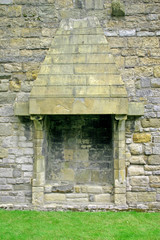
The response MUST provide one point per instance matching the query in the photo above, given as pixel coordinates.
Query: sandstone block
(3, 152)
(137, 160)
(139, 181)
(146, 196)
(77, 200)
(120, 190)
(120, 199)
(76, 195)
(77, 189)
(107, 189)
(154, 179)
(141, 137)
(135, 170)
(37, 198)
(135, 197)
(151, 122)
(156, 71)
(154, 160)
(15, 86)
(103, 198)
(151, 168)
(54, 197)
(136, 149)
(94, 189)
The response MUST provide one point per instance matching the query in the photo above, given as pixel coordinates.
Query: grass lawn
(79, 225)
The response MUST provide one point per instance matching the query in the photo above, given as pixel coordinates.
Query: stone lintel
(53, 106)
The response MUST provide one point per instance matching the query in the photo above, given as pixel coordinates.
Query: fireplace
(79, 105)
(79, 154)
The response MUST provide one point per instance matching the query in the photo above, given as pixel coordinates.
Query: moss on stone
(118, 9)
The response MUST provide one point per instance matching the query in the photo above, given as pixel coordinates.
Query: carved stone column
(39, 163)
(119, 160)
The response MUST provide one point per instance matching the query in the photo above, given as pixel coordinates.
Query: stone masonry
(27, 28)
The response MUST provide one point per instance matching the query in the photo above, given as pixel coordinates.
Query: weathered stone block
(76, 195)
(156, 150)
(141, 137)
(154, 160)
(6, 187)
(6, 2)
(135, 197)
(63, 188)
(136, 149)
(146, 196)
(120, 199)
(37, 198)
(151, 168)
(102, 198)
(139, 181)
(27, 168)
(154, 179)
(151, 122)
(94, 189)
(54, 197)
(137, 160)
(155, 82)
(5, 129)
(3, 152)
(135, 170)
(6, 172)
(77, 189)
(156, 71)
(107, 189)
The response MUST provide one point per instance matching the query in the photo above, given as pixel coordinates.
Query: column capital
(37, 118)
(121, 117)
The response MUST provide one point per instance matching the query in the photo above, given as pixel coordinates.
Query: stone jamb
(119, 159)
(38, 180)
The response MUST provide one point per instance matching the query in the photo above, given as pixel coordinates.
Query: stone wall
(26, 29)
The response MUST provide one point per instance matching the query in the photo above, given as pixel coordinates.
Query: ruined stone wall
(26, 31)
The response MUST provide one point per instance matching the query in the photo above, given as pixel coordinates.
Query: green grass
(17, 225)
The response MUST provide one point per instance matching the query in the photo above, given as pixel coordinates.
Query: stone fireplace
(79, 105)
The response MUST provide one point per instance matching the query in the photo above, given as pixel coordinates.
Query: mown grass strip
(26, 225)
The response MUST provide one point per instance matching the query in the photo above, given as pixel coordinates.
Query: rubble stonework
(27, 29)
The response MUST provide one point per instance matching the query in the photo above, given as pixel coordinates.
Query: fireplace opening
(78, 150)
